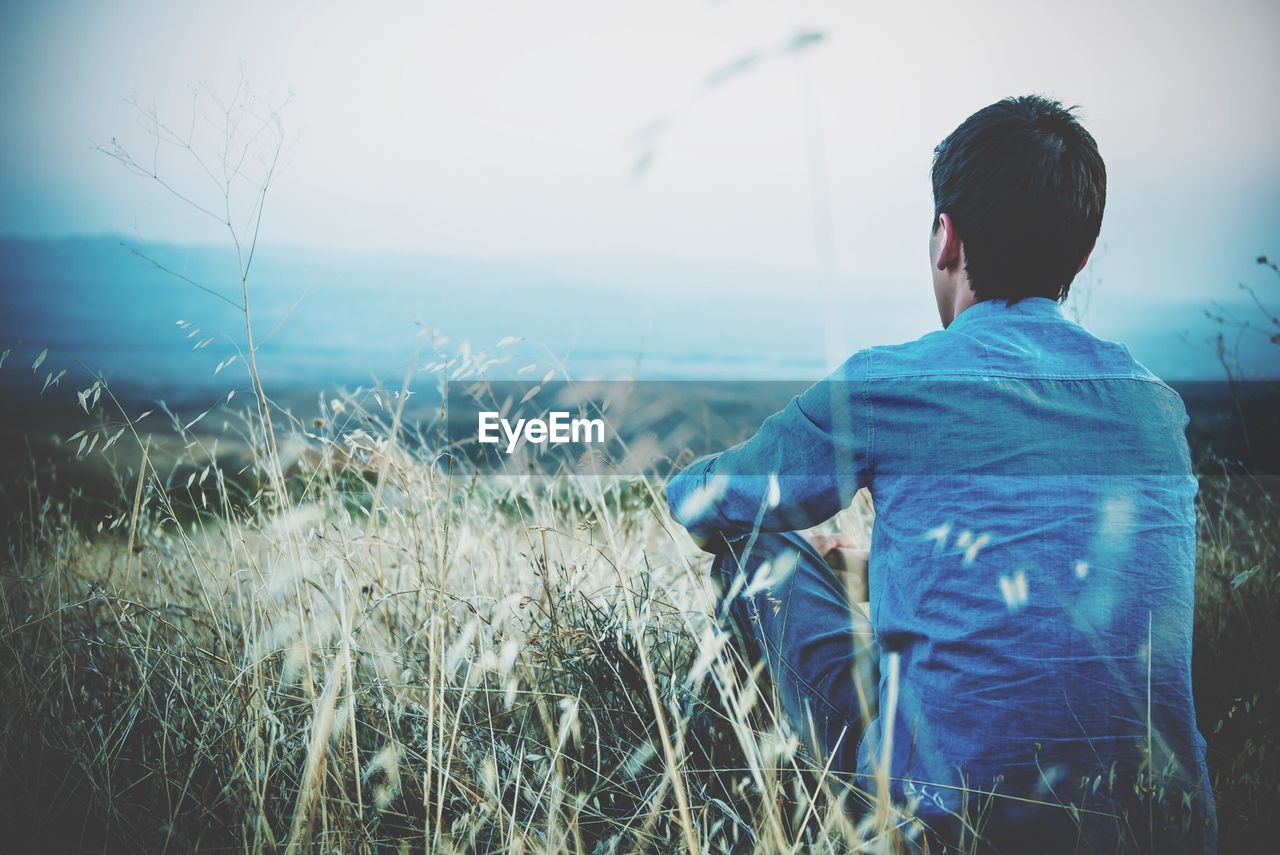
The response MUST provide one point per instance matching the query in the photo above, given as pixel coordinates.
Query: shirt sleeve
(802, 466)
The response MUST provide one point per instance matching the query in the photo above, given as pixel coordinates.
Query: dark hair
(1025, 186)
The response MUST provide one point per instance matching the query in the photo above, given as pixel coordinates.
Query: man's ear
(950, 252)
(1087, 253)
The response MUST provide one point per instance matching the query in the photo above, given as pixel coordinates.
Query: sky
(509, 130)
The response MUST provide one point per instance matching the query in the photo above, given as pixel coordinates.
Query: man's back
(1032, 574)
(1031, 577)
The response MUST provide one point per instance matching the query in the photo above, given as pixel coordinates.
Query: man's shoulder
(935, 354)
(1058, 367)
(1068, 352)
(931, 353)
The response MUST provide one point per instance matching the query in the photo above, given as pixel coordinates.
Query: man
(1031, 569)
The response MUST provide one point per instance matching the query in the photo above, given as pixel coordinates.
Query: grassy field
(316, 640)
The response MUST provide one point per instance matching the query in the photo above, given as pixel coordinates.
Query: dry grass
(394, 655)
(478, 663)
(1234, 668)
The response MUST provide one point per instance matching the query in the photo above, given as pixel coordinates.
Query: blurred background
(661, 190)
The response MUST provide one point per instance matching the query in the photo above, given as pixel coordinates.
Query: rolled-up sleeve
(802, 466)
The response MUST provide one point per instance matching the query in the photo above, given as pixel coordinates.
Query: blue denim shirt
(1032, 561)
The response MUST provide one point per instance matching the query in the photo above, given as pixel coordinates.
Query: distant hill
(326, 316)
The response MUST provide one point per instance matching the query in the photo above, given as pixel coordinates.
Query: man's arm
(801, 467)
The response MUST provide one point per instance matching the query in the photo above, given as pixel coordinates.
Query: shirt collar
(1027, 307)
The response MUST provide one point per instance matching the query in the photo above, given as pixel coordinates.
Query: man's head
(1018, 193)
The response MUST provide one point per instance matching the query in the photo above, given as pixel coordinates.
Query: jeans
(791, 610)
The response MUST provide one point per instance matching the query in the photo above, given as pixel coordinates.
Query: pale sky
(505, 129)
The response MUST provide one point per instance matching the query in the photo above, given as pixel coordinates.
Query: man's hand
(843, 556)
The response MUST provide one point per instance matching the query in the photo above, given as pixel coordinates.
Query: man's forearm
(793, 473)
